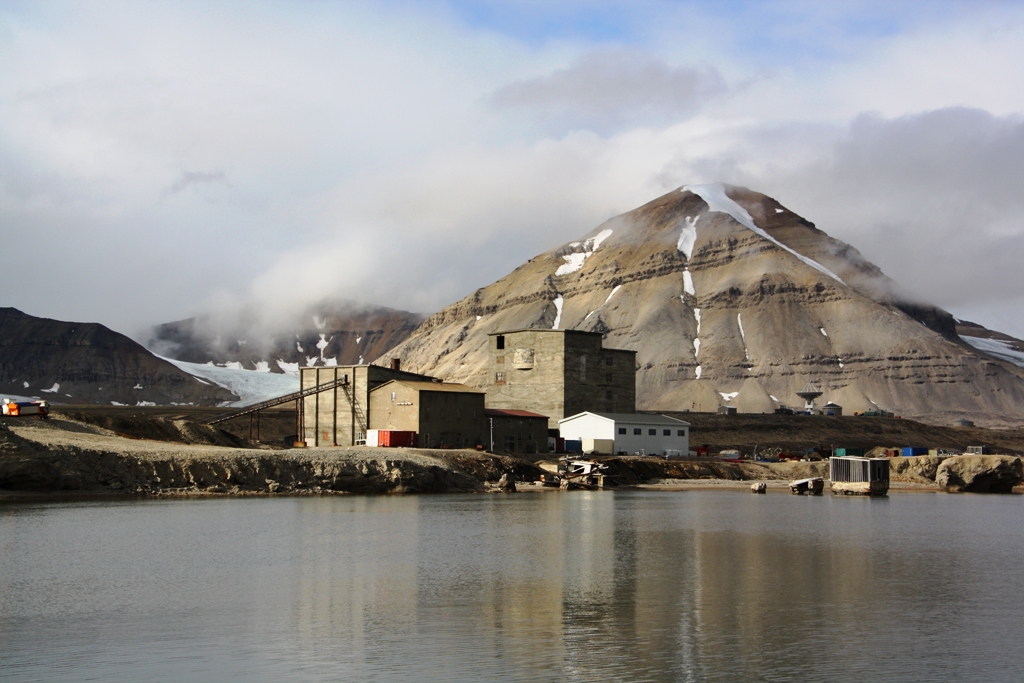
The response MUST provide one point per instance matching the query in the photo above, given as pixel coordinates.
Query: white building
(629, 433)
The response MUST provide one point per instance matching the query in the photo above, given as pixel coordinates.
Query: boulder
(980, 473)
(920, 469)
(507, 483)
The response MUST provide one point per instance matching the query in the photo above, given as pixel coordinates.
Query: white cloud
(157, 156)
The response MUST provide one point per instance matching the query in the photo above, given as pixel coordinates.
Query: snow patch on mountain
(614, 289)
(688, 283)
(717, 200)
(575, 261)
(997, 347)
(743, 337)
(251, 386)
(688, 236)
(558, 311)
(696, 316)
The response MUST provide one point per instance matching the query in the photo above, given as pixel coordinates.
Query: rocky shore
(65, 456)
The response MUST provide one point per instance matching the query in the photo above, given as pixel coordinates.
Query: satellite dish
(808, 394)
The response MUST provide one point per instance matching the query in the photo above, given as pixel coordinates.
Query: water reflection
(692, 586)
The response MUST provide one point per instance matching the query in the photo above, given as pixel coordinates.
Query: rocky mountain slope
(730, 298)
(68, 362)
(329, 333)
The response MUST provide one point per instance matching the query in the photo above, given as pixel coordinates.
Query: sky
(159, 160)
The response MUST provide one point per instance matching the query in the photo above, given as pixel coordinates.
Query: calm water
(632, 586)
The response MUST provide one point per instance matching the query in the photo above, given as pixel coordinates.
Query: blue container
(910, 451)
(573, 446)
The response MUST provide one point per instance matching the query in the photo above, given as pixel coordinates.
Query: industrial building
(339, 416)
(629, 433)
(516, 431)
(442, 415)
(559, 373)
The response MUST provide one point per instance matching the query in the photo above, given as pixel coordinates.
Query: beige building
(341, 415)
(442, 415)
(559, 373)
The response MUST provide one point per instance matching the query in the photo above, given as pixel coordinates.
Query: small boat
(759, 487)
(812, 485)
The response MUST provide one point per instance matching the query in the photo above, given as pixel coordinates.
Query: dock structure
(859, 476)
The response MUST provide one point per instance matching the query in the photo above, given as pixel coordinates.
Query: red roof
(495, 412)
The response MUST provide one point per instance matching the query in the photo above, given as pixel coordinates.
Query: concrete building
(516, 431)
(340, 415)
(559, 373)
(442, 415)
(629, 433)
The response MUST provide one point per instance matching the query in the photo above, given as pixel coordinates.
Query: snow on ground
(575, 261)
(823, 332)
(558, 308)
(998, 348)
(696, 347)
(251, 386)
(320, 324)
(288, 368)
(52, 390)
(717, 200)
(743, 337)
(688, 236)
(773, 398)
(614, 289)
(696, 371)
(696, 316)
(728, 397)
(688, 283)
(780, 211)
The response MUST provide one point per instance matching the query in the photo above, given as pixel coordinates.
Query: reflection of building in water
(357, 572)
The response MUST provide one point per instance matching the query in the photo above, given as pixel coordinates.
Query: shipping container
(910, 451)
(394, 438)
(849, 452)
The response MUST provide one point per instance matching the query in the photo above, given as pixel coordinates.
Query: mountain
(329, 333)
(729, 298)
(68, 362)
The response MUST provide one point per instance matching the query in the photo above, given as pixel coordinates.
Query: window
(666, 432)
(608, 377)
(652, 432)
(583, 368)
(622, 430)
(637, 431)
(680, 432)
(499, 378)
(607, 360)
(394, 395)
(500, 341)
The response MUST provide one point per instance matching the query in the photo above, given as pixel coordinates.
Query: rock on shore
(980, 473)
(153, 467)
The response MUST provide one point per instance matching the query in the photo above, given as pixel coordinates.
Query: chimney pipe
(396, 363)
